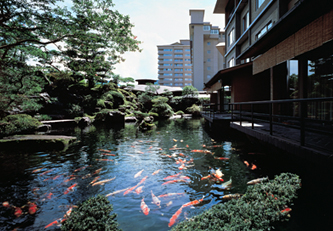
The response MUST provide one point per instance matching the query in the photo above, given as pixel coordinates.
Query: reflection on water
(105, 153)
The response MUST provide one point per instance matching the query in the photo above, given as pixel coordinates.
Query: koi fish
(138, 174)
(174, 181)
(103, 181)
(56, 222)
(46, 172)
(258, 180)
(156, 201)
(94, 180)
(139, 190)
(71, 188)
(187, 145)
(116, 192)
(144, 207)
(169, 203)
(67, 180)
(174, 148)
(170, 194)
(150, 147)
(143, 179)
(103, 160)
(219, 173)
(181, 141)
(184, 177)
(37, 170)
(246, 163)
(140, 152)
(18, 211)
(97, 171)
(221, 158)
(49, 196)
(287, 210)
(226, 185)
(104, 150)
(172, 176)
(79, 169)
(253, 167)
(203, 151)
(206, 177)
(195, 202)
(32, 208)
(48, 179)
(56, 177)
(107, 154)
(174, 217)
(157, 171)
(6, 204)
(181, 167)
(130, 189)
(181, 154)
(232, 196)
(175, 140)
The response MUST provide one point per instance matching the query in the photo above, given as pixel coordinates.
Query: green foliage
(190, 91)
(180, 113)
(140, 115)
(176, 99)
(161, 107)
(19, 123)
(194, 110)
(92, 214)
(43, 117)
(257, 209)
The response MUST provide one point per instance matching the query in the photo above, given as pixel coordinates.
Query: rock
(130, 119)
(44, 128)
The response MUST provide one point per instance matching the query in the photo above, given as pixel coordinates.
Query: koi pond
(166, 168)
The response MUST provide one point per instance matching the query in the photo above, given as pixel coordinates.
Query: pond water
(105, 153)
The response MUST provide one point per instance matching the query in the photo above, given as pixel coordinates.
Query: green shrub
(43, 117)
(194, 110)
(140, 115)
(161, 107)
(180, 113)
(19, 123)
(92, 214)
(260, 208)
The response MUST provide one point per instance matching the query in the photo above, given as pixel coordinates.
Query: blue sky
(158, 22)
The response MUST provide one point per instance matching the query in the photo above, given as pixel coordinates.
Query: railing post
(252, 115)
(302, 120)
(240, 115)
(271, 118)
(232, 112)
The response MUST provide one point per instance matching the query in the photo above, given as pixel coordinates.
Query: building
(207, 49)
(174, 64)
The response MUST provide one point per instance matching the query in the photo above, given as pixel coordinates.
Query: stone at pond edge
(36, 142)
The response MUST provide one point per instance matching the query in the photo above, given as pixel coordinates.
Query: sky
(158, 22)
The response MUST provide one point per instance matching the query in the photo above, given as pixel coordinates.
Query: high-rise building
(174, 64)
(207, 49)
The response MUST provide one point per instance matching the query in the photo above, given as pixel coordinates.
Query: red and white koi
(37, 170)
(46, 172)
(103, 181)
(108, 154)
(172, 176)
(170, 194)
(17, 211)
(232, 196)
(195, 202)
(221, 158)
(258, 180)
(157, 171)
(174, 217)
(181, 167)
(203, 151)
(32, 208)
(79, 169)
(174, 181)
(144, 207)
(104, 150)
(286, 210)
(139, 190)
(116, 192)
(71, 188)
(130, 189)
(156, 201)
(94, 180)
(143, 179)
(138, 174)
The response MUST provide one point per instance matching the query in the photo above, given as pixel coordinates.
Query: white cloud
(158, 23)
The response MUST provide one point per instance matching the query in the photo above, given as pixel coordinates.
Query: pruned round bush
(92, 214)
(260, 208)
(20, 123)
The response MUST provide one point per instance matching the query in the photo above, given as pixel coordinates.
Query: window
(208, 51)
(208, 68)
(178, 69)
(168, 84)
(208, 43)
(231, 37)
(188, 64)
(231, 62)
(167, 74)
(187, 54)
(178, 60)
(178, 50)
(264, 30)
(178, 74)
(167, 54)
(188, 50)
(179, 65)
(186, 79)
(167, 79)
(178, 56)
(259, 3)
(188, 69)
(188, 74)
(214, 31)
(206, 28)
(167, 69)
(188, 84)
(178, 84)
(187, 59)
(208, 76)
(178, 80)
(245, 21)
(208, 60)
(167, 59)
(167, 49)
(167, 64)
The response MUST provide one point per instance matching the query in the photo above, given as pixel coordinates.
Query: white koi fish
(138, 174)
(103, 181)
(156, 201)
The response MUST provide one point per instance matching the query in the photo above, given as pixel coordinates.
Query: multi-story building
(174, 64)
(207, 49)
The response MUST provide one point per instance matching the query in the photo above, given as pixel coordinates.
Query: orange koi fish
(181, 167)
(107, 154)
(138, 173)
(174, 148)
(130, 189)
(170, 194)
(172, 176)
(150, 147)
(157, 171)
(104, 150)
(144, 207)
(156, 201)
(46, 172)
(32, 208)
(71, 188)
(221, 158)
(174, 140)
(79, 169)
(116, 192)
(67, 180)
(139, 190)
(18, 211)
(103, 181)
(181, 154)
(195, 202)
(174, 217)
(287, 210)
(6, 204)
(143, 179)
(206, 177)
(37, 170)
(56, 177)
(246, 163)
(174, 181)
(56, 222)
(232, 196)
(103, 160)
(253, 167)
(97, 171)
(95, 179)
(187, 146)
(203, 151)
(184, 177)
(49, 196)
(48, 179)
